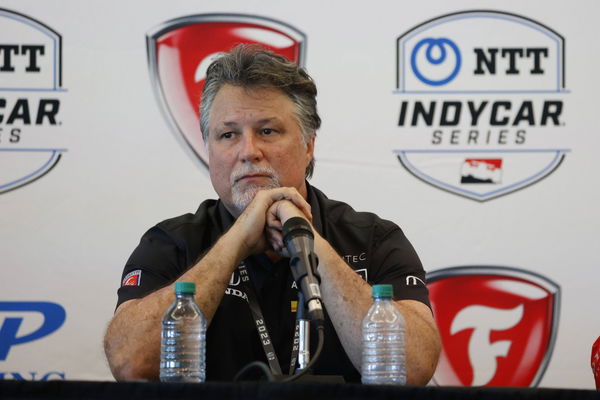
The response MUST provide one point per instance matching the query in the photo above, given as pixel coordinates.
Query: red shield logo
(498, 325)
(180, 50)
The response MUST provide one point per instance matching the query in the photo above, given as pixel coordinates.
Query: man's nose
(250, 150)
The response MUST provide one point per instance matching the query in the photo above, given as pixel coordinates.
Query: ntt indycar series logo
(30, 85)
(482, 108)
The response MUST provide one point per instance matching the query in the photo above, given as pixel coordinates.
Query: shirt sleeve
(395, 262)
(156, 262)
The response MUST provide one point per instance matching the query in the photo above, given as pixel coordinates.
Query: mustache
(252, 170)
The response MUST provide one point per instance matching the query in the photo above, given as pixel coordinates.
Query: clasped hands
(260, 225)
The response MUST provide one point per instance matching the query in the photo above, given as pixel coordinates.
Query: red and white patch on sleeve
(133, 278)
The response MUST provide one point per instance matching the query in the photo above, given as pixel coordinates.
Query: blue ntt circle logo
(436, 55)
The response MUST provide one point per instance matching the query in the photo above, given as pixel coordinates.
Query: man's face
(254, 143)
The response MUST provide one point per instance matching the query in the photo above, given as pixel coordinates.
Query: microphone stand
(303, 333)
(304, 370)
(298, 238)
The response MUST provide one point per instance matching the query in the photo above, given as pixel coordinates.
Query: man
(259, 120)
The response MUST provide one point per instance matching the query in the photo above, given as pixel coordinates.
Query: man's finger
(275, 238)
(292, 195)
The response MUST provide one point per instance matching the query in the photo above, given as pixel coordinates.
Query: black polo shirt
(375, 248)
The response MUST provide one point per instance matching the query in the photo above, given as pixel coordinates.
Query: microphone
(298, 238)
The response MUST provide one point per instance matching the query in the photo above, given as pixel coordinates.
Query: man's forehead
(258, 92)
(235, 103)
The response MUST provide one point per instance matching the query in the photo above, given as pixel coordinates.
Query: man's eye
(267, 131)
(227, 135)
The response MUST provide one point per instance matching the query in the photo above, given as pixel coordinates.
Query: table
(256, 390)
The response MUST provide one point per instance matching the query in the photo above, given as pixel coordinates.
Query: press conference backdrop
(471, 124)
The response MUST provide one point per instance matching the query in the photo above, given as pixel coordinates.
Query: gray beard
(241, 198)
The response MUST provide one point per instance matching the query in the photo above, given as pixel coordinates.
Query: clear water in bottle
(183, 338)
(383, 351)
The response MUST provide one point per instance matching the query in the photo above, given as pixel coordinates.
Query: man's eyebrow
(259, 122)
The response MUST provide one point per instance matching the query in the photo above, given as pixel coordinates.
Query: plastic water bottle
(183, 344)
(383, 353)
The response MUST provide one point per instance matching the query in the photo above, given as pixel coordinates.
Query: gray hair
(254, 67)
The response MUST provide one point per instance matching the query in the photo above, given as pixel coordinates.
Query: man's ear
(310, 149)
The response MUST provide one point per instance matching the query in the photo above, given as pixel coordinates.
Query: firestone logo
(30, 84)
(480, 94)
(180, 51)
(498, 325)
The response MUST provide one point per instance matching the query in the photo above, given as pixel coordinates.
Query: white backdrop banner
(470, 125)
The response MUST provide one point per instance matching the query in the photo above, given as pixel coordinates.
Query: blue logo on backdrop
(53, 317)
(32, 376)
(436, 55)
(480, 51)
(481, 102)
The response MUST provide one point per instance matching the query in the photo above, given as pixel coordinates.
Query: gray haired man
(259, 121)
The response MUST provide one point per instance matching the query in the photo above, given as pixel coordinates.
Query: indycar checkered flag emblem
(180, 51)
(498, 325)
